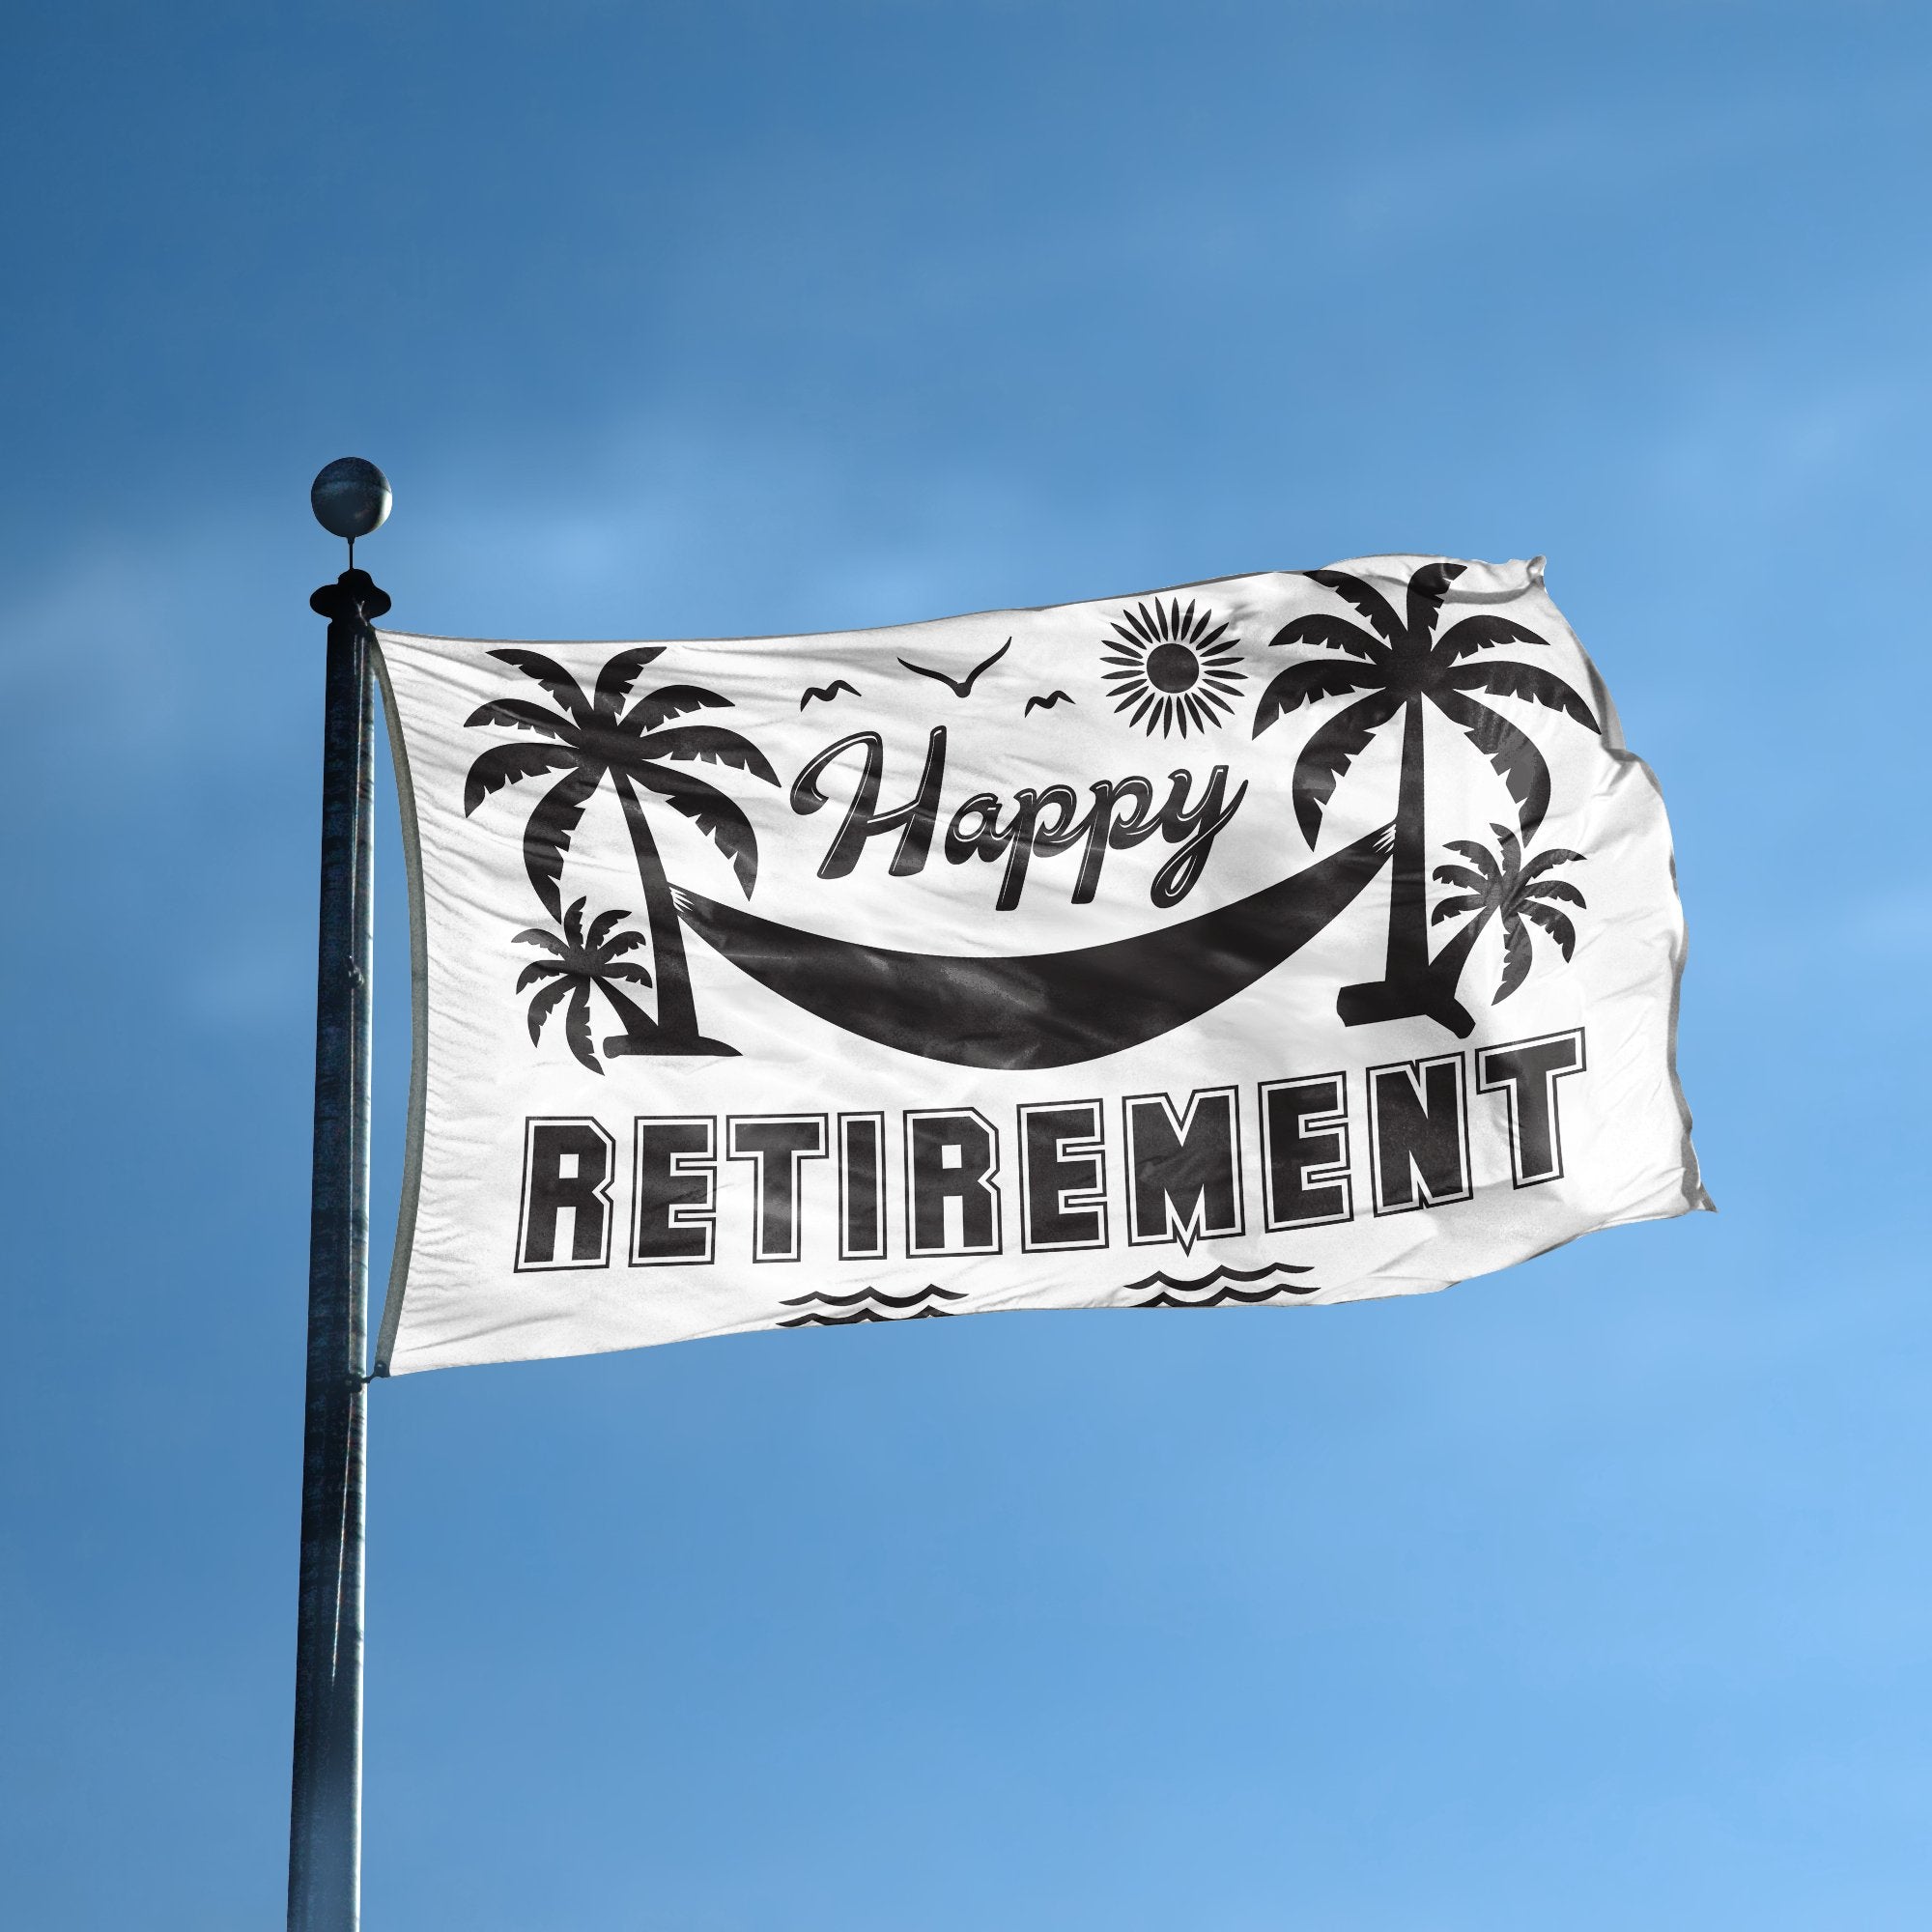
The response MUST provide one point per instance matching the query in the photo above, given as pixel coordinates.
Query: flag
(1291, 938)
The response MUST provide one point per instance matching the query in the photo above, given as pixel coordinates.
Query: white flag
(1290, 938)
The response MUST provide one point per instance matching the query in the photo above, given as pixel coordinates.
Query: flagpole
(351, 499)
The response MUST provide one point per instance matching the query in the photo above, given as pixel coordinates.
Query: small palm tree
(1501, 885)
(583, 960)
(1402, 668)
(591, 738)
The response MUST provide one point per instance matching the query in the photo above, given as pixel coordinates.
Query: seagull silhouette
(1047, 702)
(829, 691)
(960, 687)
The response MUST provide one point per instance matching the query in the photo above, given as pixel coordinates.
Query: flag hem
(868, 629)
(412, 1188)
(1696, 1198)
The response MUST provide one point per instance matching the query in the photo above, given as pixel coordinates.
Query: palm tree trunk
(1411, 987)
(1446, 968)
(677, 1014)
(640, 1031)
(1408, 890)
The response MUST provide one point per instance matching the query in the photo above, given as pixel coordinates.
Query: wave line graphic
(1215, 1274)
(885, 1300)
(866, 1306)
(1188, 1295)
(860, 1314)
(1249, 1296)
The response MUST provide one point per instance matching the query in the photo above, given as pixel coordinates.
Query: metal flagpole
(351, 498)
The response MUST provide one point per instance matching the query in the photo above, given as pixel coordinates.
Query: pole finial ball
(349, 497)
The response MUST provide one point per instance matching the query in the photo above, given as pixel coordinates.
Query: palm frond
(1555, 855)
(576, 1025)
(552, 825)
(1554, 889)
(1461, 876)
(538, 970)
(545, 1004)
(510, 764)
(573, 925)
(1481, 632)
(520, 714)
(1478, 855)
(1516, 957)
(708, 745)
(553, 678)
(1332, 634)
(624, 969)
(1459, 904)
(716, 816)
(601, 929)
(1315, 678)
(1504, 677)
(535, 935)
(624, 942)
(668, 701)
(1508, 849)
(1517, 761)
(1427, 590)
(1331, 751)
(619, 675)
(1556, 923)
(1369, 603)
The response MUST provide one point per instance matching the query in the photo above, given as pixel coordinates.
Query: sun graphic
(1175, 668)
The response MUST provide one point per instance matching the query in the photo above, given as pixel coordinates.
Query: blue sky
(1592, 1595)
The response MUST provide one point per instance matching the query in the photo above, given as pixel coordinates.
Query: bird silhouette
(960, 687)
(829, 691)
(1047, 702)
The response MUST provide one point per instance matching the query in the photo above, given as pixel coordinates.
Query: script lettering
(916, 815)
(1040, 822)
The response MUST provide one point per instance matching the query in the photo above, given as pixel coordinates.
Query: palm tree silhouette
(589, 739)
(1403, 667)
(584, 960)
(1500, 884)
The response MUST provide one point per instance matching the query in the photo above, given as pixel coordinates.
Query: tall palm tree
(1403, 667)
(583, 960)
(1501, 885)
(589, 739)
